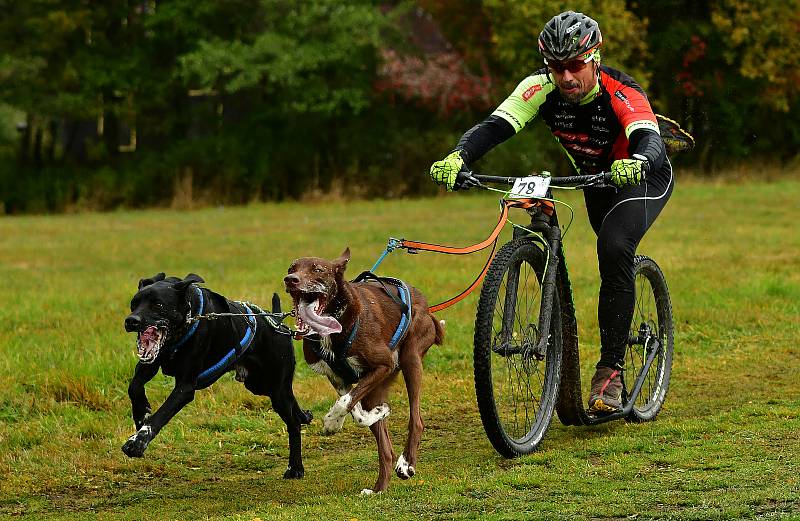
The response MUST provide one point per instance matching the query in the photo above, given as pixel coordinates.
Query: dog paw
(403, 469)
(358, 414)
(134, 447)
(331, 424)
(306, 417)
(381, 411)
(376, 414)
(294, 473)
(136, 444)
(241, 373)
(368, 492)
(334, 420)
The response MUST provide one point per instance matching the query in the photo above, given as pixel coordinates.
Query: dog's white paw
(368, 492)
(332, 424)
(334, 420)
(403, 469)
(368, 418)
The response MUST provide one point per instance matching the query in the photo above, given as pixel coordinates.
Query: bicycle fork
(552, 235)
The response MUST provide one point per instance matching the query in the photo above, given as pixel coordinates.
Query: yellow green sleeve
(523, 104)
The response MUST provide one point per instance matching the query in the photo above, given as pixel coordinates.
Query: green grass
(724, 447)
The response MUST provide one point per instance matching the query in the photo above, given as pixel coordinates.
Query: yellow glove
(446, 171)
(628, 172)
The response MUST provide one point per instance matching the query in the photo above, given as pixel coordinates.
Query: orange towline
(458, 298)
(489, 241)
(452, 250)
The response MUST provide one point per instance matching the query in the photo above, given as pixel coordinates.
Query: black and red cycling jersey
(613, 121)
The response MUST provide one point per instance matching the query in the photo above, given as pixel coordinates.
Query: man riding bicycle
(602, 119)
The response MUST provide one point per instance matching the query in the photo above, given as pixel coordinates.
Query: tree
(727, 70)
(515, 27)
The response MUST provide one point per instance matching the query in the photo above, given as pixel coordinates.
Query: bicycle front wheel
(515, 387)
(651, 329)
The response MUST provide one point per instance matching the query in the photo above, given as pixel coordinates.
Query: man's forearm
(649, 144)
(484, 136)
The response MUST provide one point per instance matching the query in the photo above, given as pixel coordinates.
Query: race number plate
(533, 186)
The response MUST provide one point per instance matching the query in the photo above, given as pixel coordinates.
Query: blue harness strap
(403, 299)
(405, 318)
(174, 347)
(336, 358)
(213, 373)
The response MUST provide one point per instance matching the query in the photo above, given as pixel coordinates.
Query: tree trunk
(25, 141)
(37, 147)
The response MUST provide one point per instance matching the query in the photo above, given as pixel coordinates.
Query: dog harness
(336, 357)
(213, 373)
(174, 347)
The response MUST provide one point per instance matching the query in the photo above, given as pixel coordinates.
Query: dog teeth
(301, 326)
(149, 343)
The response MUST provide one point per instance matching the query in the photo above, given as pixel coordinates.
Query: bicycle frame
(569, 406)
(545, 231)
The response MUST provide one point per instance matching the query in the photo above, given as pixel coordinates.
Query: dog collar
(192, 329)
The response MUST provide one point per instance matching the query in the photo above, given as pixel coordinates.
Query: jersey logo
(625, 100)
(572, 136)
(533, 89)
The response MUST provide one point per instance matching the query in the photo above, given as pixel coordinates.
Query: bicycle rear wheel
(652, 320)
(516, 391)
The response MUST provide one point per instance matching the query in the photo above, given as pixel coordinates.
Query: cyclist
(602, 119)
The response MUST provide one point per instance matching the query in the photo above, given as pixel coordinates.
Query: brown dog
(357, 324)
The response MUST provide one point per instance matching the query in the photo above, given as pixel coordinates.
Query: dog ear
(151, 280)
(341, 262)
(187, 281)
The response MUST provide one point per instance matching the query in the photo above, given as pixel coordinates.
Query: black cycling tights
(620, 219)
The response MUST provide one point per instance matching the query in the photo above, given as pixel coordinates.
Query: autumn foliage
(266, 99)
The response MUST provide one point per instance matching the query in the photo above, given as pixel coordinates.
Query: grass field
(726, 445)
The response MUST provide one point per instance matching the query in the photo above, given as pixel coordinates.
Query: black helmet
(569, 35)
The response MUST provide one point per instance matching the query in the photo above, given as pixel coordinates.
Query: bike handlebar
(600, 179)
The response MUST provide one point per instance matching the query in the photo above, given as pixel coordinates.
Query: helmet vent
(568, 35)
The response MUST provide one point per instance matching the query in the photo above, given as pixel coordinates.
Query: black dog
(197, 353)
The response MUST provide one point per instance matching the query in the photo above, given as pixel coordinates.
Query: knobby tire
(516, 399)
(653, 309)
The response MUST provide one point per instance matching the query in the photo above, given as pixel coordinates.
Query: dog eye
(318, 269)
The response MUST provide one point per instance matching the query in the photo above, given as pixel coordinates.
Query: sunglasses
(572, 66)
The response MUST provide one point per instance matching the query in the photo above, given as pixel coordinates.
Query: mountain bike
(526, 357)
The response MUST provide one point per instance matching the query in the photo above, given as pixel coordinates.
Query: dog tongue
(324, 325)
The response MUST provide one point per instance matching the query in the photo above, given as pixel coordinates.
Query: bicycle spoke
(649, 327)
(520, 385)
(516, 391)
